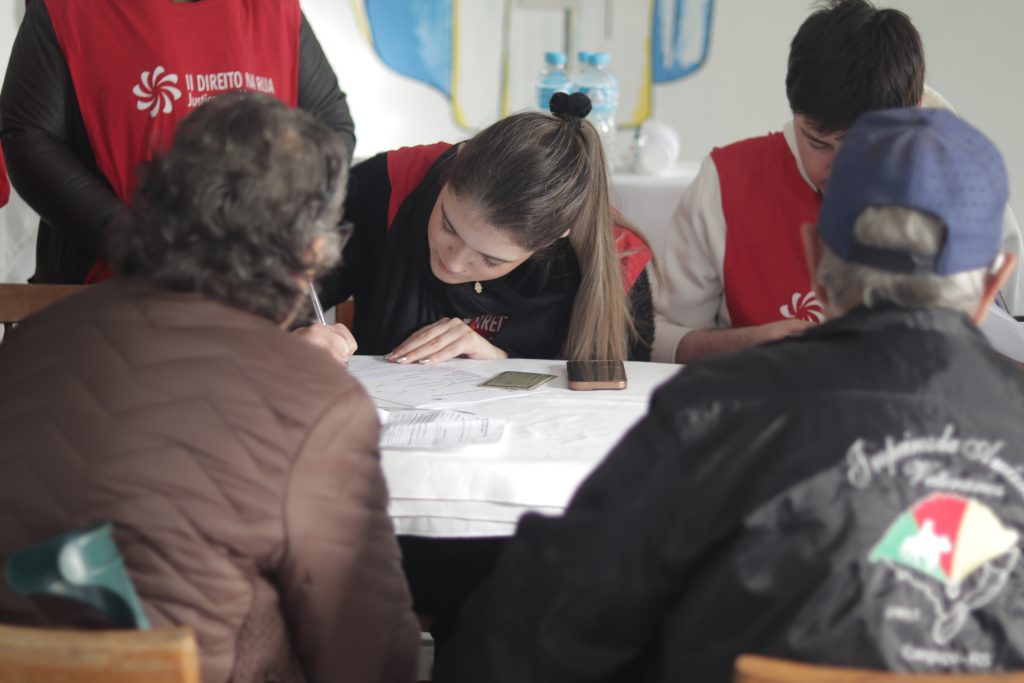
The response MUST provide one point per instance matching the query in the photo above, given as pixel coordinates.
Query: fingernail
(425, 361)
(401, 359)
(388, 357)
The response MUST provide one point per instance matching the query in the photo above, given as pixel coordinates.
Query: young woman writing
(503, 245)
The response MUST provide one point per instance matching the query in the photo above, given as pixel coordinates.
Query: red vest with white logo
(765, 200)
(140, 66)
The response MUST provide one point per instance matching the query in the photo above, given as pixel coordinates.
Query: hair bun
(576, 105)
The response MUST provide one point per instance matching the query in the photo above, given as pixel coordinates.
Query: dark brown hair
(849, 58)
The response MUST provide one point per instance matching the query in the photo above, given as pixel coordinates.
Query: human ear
(994, 279)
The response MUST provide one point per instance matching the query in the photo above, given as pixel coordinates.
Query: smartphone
(585, 375)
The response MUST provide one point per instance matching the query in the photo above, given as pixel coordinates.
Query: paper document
(416, 386)
(1004, 333)
(437, 429)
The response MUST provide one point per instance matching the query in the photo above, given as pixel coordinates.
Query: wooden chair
(158, 656)
(85, 565)
(345, 312)
(757, 669)
(18, 301)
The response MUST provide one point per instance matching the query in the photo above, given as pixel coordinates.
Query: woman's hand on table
(445, 339)
(335, 339)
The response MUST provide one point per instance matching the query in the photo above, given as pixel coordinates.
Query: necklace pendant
(478, 288)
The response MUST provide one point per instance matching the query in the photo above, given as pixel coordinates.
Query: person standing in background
(93, 89)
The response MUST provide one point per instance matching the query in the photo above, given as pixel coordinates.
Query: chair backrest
(82, 565)
(18, 301)
(345, 312)
(757, 669)
(157, 656)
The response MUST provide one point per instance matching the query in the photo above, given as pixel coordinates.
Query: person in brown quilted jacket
(238, 464)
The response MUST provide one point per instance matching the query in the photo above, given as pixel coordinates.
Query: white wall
(740, 91)
(971, 60)
(17, 222)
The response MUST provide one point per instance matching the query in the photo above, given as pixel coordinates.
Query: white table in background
(553, 440)
(650, 200)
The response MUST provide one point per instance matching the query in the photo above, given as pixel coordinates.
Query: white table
(553, 441)
(650, 200)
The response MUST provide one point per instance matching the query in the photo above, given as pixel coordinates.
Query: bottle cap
(554, 58)
(584, 56)
(600, 58)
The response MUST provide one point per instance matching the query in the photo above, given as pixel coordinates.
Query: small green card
(517, 380)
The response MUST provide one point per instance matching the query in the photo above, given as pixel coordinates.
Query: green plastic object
(83, 565)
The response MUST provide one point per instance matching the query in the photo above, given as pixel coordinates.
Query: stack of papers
(420, 386)
(437, 429)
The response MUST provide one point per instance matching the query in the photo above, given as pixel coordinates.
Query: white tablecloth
(553, 440)
(649, 201)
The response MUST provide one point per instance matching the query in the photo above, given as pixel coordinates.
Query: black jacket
(852, 497)
(50, 159)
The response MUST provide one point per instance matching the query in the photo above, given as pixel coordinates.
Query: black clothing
(50, 158)
(851, 497)
(387, 270)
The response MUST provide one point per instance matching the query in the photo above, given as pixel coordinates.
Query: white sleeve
(1012, 293)
(691, 294)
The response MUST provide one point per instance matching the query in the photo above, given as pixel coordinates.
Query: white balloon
(657, 147)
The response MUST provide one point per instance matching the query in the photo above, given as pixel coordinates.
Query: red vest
(765, 200)
(140, 66)
(408, 166)
(5, 185)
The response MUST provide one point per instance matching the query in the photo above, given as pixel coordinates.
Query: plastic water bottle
(552, 79)
(597, 82)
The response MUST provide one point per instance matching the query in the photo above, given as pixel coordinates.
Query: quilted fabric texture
(239, 466)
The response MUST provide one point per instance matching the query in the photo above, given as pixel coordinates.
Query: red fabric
(634, 254)
(140, 67)
(765, 201)
(408, 166)
(5, 184)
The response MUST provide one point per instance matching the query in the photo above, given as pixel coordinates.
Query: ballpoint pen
(317, 308)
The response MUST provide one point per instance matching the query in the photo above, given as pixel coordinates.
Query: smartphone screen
(585, 375)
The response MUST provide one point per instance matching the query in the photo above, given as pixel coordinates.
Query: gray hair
(849, 285)
(233, 208)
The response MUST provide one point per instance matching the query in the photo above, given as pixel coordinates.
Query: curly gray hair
(849, 285)
(234, 208)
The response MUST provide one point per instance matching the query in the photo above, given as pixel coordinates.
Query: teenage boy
(734, 274)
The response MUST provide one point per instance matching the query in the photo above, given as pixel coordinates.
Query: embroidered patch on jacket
(955, 551)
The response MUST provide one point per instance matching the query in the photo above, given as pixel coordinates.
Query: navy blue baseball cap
(924, 159)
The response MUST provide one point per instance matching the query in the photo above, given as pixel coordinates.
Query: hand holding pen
(336, 339)
(317, 308)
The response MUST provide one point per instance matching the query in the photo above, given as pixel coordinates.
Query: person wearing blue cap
(851, 496)
(734, 273)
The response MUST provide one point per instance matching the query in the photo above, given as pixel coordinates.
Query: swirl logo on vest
(803, 307)
(157, 92)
